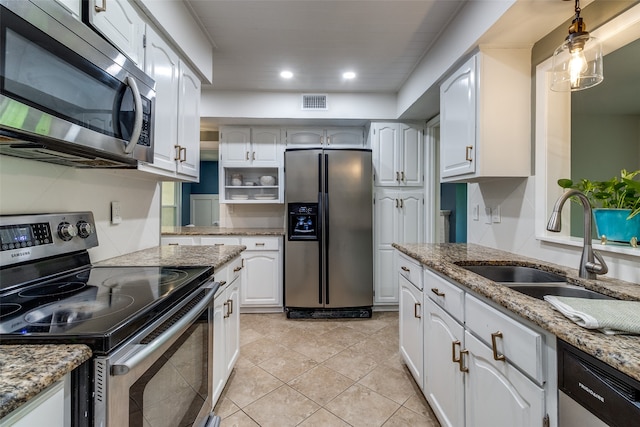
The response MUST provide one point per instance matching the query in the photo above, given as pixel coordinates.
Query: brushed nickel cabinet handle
(246, 155)
(437, 292)
(230, 306)
(222, 283)
(454, 344)
(401, 203)
(328, 140)
(174, 244)
(461, 361)
(235, 270)
(467, 155)
(260, 244)
(226, 309)
(415, 310)
(402, 176)
(177, 154)
(403, 268)
(494, 337)
(397, 204)
(102, 8)
(183, 150)
(253, 156)
(397, 176)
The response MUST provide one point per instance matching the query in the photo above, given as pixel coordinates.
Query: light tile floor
(321, 373)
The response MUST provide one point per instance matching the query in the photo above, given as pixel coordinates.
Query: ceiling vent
(314, 102)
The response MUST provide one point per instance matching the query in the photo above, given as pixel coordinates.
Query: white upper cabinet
(246, 146)
(397, 155)
(72, 6)
(177, 112)
(485, 117)
(338, 137)
(121, 24)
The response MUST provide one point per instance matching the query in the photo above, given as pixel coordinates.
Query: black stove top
(97, 306)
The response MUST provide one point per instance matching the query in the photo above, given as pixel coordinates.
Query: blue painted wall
(453, 197)
(208, 185)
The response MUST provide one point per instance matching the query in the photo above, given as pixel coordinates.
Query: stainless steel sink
(514, 273)
(539, 290)
(532, 281)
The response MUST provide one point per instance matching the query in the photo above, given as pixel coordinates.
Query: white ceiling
(381, 41)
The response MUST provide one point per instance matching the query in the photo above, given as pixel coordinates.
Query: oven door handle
(147, 350)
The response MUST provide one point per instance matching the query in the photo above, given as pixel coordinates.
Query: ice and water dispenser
(303, 221)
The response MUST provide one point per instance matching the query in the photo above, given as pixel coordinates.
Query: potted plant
(615, 204)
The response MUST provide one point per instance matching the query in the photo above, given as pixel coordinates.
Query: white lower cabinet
(50, 408)
(262, 275)
(411, 329)
(483, 367)
(226, 323)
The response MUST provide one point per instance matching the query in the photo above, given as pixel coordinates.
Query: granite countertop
(619, 351)
(177, 256)
(220, 231)
(26, 370)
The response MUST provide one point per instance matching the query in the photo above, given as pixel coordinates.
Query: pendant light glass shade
(577, 64)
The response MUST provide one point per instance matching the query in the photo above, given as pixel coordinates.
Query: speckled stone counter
(177, 256)
(220, 231)
(620, 351)
(26, 370)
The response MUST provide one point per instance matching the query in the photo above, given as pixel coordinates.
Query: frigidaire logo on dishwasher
(591, 392)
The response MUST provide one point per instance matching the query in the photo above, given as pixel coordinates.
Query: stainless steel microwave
(66, 95)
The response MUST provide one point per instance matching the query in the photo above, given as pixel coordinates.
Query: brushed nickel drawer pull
(246, 155)
(402, 203)
(397, 176)
(183, 150)
(174, 244)
(461, 361)
(230, 301)
(402, 176)
(177, 148)
(102, 8)
(494, 337)
(437, 292)
(226, 309)
(218, 244)
(259, 244)
(235, 270)
(405, 269)
(454, 344)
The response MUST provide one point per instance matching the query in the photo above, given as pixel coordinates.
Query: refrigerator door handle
(326, 228)
(319, 231)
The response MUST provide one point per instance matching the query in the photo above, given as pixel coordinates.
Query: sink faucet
(588, 265)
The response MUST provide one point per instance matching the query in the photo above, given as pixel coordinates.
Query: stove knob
(67, 231)
(84, 229)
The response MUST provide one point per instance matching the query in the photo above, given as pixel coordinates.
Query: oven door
(163, 376)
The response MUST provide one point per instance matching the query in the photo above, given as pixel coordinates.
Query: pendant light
(577, 62)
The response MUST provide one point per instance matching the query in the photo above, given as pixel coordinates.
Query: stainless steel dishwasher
(592, 393)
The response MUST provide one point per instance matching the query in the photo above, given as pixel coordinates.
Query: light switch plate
(496, 217)
(476, 213)
(487, 216)
(116, 213)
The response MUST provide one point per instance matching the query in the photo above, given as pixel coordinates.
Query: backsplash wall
(35, 187)
(516, 230)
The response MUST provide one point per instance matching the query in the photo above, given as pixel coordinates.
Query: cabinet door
(121, 24)
(189, 123)
(444, 382)
(411, 329)
(235, 146)
(411, 171)
(497, 394)
(304, 138)
(385, 149)
(458, 122)
(410, 217)
(161, 63)
(49, 408)
(265, 147)
(232, 333)
(72, 6)
(384, 218)
(261, 278)
(219, 344)
(344, 138)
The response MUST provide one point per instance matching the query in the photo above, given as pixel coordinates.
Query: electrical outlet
(116, 213)
(496, 217)
(475, 214)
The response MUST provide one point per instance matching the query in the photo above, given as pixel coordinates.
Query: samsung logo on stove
(19, 254)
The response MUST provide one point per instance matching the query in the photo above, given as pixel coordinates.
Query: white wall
(35, 187)
(252, 216)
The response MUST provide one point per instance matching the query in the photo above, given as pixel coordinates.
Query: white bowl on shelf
(267, 180)
(239, 197)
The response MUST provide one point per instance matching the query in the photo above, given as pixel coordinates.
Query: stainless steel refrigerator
(329, 243)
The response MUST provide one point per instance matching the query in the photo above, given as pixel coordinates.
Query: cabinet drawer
(215, 241)
(234, 269)
(520, 345)
(175, 241)
(409, 269)
(445, 294)
(261, 243)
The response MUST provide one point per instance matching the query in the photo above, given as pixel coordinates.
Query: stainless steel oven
(66, 95)
(150, 328)
(162, 376)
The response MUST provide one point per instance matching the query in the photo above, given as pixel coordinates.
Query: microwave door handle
(137, 124)
(171, 334)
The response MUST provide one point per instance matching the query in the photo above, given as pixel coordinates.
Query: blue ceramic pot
(613, 224)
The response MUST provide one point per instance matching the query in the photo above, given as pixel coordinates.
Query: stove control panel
(30, 237)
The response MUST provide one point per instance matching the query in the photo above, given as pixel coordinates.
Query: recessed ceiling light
(286, 74)
(349, 75)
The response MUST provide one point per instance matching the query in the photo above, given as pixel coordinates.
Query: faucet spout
(591, 263)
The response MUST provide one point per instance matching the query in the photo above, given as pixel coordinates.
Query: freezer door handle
(319, 226)
(326, 228)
